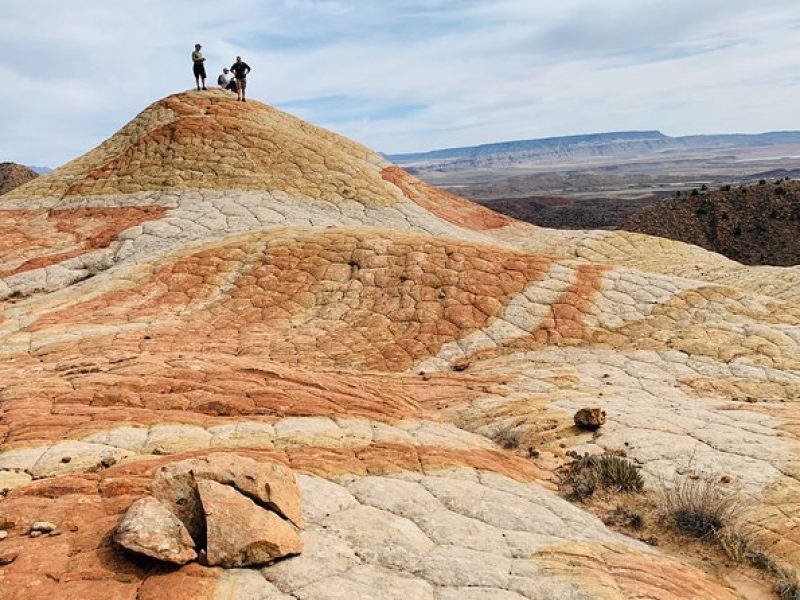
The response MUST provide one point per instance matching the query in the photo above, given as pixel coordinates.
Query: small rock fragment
(241, 533)
(43, 527)
(35, 534)
(725, 479)
(590, 418)
(9, 556)
(149, 528)
(3, 535)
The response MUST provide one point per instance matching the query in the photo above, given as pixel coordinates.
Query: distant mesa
(582, 146)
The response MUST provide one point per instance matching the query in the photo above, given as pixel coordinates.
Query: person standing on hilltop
(240, 70)
(199, 67)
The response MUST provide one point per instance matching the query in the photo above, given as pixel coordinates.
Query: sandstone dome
(223, 277)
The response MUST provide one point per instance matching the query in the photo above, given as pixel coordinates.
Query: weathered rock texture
(243, 281)
(149, 528)
(240, 533)
(13, 175)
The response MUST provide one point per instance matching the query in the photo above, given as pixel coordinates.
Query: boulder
(590, 418)
(270, 484)
(149, 528)
(241, 533)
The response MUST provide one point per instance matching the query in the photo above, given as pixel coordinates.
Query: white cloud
(425, 73)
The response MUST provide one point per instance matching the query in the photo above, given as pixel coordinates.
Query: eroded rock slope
(219, 277)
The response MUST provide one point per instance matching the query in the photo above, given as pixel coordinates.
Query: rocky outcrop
(149, 528)
(234, 506)
(270, 484)
(13, 175)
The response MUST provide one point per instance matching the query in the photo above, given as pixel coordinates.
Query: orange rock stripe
(77, 231)
(445, 205)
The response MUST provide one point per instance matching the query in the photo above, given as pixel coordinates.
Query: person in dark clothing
(198, 66)
(240, 70)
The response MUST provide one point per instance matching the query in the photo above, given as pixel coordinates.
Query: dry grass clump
(507, 439)
(787, 584)
(698, 507)
(590, 473)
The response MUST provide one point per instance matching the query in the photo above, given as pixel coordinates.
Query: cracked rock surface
(220, 285)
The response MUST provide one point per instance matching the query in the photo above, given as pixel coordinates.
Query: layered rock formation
(220, 278)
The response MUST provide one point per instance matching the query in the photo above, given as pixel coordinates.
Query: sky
(404, 75)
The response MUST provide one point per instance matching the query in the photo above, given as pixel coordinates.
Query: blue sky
(405, 75)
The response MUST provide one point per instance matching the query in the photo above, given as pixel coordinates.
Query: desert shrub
(507, 439)
(695, 193)
(626, 517)
(704, 188)
(739, 545)
(780, 191)
(787, 585)
(725, 188)
(698, 507)
(583, 484)
(619, 473)
(589, 473)
(762, 182)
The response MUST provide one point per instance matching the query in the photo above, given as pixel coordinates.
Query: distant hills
(13, 175)
(753, 224)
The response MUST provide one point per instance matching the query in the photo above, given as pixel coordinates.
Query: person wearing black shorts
(240, 70)
(199, 67)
